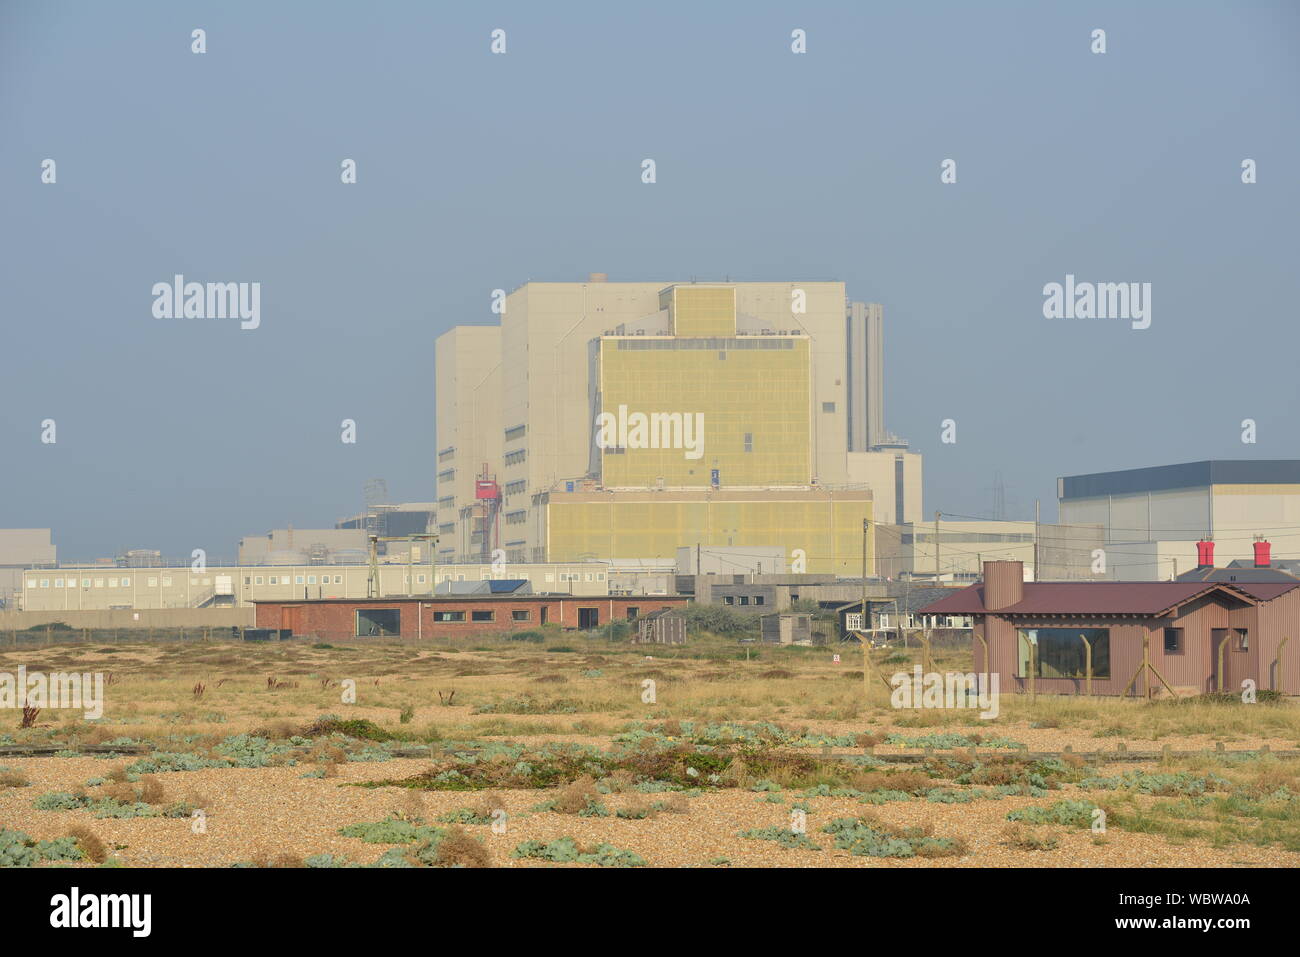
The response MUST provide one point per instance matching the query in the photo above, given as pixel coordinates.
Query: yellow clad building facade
(638, 418)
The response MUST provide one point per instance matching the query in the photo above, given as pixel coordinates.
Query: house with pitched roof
(1131, 638)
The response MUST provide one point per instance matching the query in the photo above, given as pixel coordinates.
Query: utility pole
(866, 528)
(1037, 576)
(936, 546)
(907, 603)
(372, 580)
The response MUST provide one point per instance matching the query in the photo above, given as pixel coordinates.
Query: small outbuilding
(786, 629)
(663, 627)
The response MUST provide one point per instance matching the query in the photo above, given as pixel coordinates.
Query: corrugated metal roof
(1102, 598)
(1241, 575)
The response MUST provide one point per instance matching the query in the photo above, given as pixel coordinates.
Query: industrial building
(108, 587)
(390, 521)
(451, 616)
(1152, 518)
(305, 546)
(953, 550)
(21, 549)
(1130, 638)
(621, 421)
(400, 535)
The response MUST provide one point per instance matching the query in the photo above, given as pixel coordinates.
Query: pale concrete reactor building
(1152, 518)
(621, 421)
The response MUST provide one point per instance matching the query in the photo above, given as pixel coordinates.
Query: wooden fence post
(1276, 667)
(1223, 646)
(1087, 657)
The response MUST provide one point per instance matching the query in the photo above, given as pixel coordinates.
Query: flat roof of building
(464, 599)
(1186, 475)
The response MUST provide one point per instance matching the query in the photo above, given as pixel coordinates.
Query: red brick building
(452, 615)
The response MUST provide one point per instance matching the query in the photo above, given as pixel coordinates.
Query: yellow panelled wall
(828, 530)
(703, 310)
(753, 386)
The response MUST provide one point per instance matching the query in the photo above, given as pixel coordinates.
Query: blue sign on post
(568, 486)
(714, 476)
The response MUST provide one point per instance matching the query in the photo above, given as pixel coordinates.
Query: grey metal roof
(1246, 572)
(1185, 475)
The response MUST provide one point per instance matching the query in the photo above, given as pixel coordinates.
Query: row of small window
(518, 614)
(285, 580)
(297, 580)
(742, 600)
(107, 583)
(86, 582)
(679, 345)
(515, 457)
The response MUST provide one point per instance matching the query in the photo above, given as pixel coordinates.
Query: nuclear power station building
(621, 421)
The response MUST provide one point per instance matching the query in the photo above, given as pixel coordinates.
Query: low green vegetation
(783, 836)
(867, 837)
(109, 807)
(565, 850)
(1070, 813)
(19, 850)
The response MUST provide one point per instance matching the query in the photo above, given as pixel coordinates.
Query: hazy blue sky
(479, 171)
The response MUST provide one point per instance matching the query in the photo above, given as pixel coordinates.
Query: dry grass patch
(458, 849)
(13, 779)
(90, 844)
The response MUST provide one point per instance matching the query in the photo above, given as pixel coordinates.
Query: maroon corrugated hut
(1199, 636)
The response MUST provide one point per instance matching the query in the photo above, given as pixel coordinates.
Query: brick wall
(338, 619)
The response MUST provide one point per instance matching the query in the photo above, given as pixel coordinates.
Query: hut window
(1243, 639)
(1173, 641)
(1061, 653)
